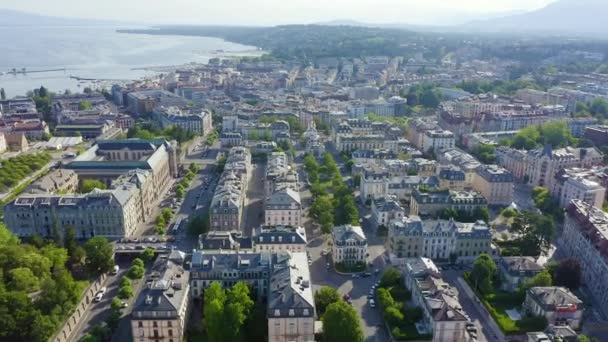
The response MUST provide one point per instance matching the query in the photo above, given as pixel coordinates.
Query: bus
(177, 225)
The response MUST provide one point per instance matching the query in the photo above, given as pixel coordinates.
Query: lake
(95, 52)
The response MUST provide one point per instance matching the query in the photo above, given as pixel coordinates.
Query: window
(155, 324)
(170, 332)
(140, 324)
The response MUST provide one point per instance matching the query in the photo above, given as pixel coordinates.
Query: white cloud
(268, 12)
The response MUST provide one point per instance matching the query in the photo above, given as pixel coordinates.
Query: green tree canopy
(99, 255)
(390, 277)
(89, 185)
(325, 296)
(484, 270)
(341, 323)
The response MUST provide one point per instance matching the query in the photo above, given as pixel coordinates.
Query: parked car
(115, 270)
(372, 303)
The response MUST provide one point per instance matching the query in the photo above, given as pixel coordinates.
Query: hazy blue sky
(265, 12)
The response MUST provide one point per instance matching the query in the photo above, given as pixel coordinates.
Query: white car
(98, 297)
(372, 303)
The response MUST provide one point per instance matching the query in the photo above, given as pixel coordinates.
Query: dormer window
(292, 312)
(277, 313)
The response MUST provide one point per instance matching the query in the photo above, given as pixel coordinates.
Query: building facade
(349, 245)
(585, 238)
(412, 237)
(495, 184)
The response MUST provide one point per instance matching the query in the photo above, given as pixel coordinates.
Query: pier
(25, 71)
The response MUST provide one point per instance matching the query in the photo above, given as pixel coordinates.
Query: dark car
(366, 274)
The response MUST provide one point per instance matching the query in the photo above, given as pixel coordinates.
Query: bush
(136, 272)
(125, 292)
(393, 316)
(508, 213)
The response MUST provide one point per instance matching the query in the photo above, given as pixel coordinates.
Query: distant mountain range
(567, 17)
(564, 17)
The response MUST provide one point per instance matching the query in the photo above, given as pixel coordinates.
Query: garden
(401, 319)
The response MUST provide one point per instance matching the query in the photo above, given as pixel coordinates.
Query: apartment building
(386, 209)
(279, 239)
(281, 277)
(291, 307)
(495, 184)
(417, 127)
(161, 310)
(582, 189)
(114, 213)
(431, 202)
(411, 237)
(585, 238)
(436, 140)
(56, 181)
(227, 205)
(557, 304)
(373, 180)
(443, 316)
(349, 245)
(282, 205)
(452, 177)
(190, 119)
(540, 166)
(314, 144)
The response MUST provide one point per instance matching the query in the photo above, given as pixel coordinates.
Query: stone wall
(71, 323)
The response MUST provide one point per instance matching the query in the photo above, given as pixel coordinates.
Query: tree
(99, 255)
(393, 316)
(167, 214)
(357, 180)
(238, 306)
(179, 192)
(84, 105)
(22, 279)
(599, 107)
(556, 134)
(341, 323)
(199, 225)
(2, 94)
(326, 220)
(116, 304)
(147, 255)
(89, 185)
(584, 338)
(568, 274)
(536, 231)
(42, 92)
(385, 299)
(325, 296)
(483, 272)
(125, 292)
(508, 212)
(430, 98)
(541, 279)
(215, 298)
(390, 277)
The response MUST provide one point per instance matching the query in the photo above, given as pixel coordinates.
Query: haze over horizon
(277, 12)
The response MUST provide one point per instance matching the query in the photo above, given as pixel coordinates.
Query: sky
(274, 12)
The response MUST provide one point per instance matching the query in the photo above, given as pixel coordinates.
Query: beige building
(582, 189)
(160, 312)
(443, 316)
(557, 304)
(411, 237)
(228, 202)
(279, 239)
(291, 308)
(114, 213)
(436, 140)
(282, 205)
(349, 245)
(495, 184)
(56, 181)
(541, 166)
(585, 238)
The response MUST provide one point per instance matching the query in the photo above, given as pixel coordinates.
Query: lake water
(95, 52)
